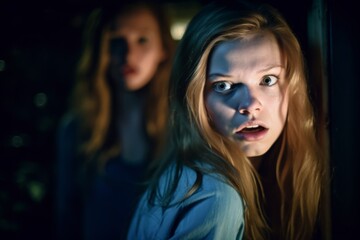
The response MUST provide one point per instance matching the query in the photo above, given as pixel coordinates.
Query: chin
(132, 87)
(254, 152)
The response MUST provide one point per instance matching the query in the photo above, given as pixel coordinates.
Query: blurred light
(178, 29)
(40, 100)
(36, 190)
(17, 141)
(2, 65)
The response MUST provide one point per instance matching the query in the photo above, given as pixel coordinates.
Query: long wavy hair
(298, 164)
(93, 99)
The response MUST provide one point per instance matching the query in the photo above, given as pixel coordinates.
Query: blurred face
(141, 33)
(246, 92)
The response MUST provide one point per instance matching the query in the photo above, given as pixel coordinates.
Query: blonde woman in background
(117, 121)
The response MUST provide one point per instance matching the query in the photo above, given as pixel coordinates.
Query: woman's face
(141, 32)
(246, 92)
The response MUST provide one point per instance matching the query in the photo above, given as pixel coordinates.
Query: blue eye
(222, 87)
(269, 80)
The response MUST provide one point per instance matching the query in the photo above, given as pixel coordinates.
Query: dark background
(39, 47)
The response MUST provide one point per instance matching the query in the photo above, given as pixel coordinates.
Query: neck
(133, 136)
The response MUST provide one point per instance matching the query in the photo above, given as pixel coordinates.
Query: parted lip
(251, 124)
(251, 131)
(128, 70)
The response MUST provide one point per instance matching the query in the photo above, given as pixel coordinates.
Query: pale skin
(246, 93)
(141, 32)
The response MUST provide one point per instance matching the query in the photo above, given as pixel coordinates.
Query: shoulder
(212, 186)
(215, 209)
(214, 190)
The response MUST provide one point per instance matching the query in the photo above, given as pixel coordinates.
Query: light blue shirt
(214, 211)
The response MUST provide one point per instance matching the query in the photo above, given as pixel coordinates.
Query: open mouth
(252, 129)
(252, 132)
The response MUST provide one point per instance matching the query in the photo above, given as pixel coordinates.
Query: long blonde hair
(299, 164)
(92, 99)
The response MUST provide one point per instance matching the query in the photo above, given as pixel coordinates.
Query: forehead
(251, 51)
(141, 19)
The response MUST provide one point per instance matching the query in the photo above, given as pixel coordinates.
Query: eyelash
(229, 85)
(216, 86)
(267, 77)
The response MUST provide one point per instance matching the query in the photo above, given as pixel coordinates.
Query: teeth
(253, 126)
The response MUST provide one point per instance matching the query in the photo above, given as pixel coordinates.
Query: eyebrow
(145, 28)
(135, 27)
(213, 76)
(270, 67)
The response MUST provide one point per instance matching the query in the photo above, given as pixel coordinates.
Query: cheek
(153, 50)
(148, 64)
(277, 101)
(277, 109)
(219, 113)
(150, 59)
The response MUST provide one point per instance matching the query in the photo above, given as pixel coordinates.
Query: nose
(248, 102)
(132, 54)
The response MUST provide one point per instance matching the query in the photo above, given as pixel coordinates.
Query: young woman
(117, 121)
(244, 161)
